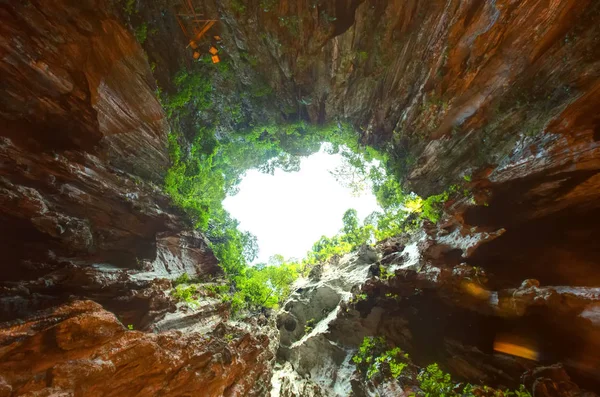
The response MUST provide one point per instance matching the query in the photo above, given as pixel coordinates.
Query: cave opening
(289, 211)
(168, 197)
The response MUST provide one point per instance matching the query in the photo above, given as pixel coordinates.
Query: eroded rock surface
(503, 95)
(436, 311)
(83, 148)
(81, 349)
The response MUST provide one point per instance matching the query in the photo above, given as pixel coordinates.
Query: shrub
(373, 358)
(141, 33)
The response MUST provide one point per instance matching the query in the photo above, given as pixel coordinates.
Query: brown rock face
(501, 93)
(83, 146)
(82, 350)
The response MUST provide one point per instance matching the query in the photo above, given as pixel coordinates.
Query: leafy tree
(355, 234)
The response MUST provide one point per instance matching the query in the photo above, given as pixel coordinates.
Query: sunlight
(289, 211)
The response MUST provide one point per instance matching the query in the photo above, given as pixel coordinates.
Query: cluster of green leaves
(141, 33)
(309, 326)
(186, 293)
(374, 357)
(266, 286)
(359, 298)
(434, 382)
(193, 93)
(192, 182)
(254, 287)
(384, 274)
(353, 235)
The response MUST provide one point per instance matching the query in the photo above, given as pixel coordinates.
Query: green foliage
(193, 92)
(130, 327)
(353, 233)
(141, 33)
(433, 206)
(183, 279)
(210, 168)
(238, 6)
(192, 182)
(362, 55)
(326, 248)
(186, 293)
(359, 298)
(310, 324)
(266, 286)
(522, 392)
(129, 7)
(384, 274)
(433, 382)
(217, 289)
(373, 358)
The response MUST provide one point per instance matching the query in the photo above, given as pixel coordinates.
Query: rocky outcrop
(498, 90)
(498, 93)
(414, 297)
(88, 235)
(84, 146)
(81, 349)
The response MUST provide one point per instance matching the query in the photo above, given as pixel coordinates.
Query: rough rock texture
(83, 146)
(503, 94)
(312, 363)
(81, 349)
(500, 94)
(435, 313)
(447, 87)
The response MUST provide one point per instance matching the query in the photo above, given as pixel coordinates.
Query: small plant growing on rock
(187, 294)
(384, 274)
(141, 33)
(359, 298)
(130, 327)
(434, 382)
(374, 358)
(396, 297)
(362, 55)
(183, 279)
(310, 324)
(228, 337)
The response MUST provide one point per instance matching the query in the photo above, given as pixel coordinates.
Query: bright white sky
(289, 211)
